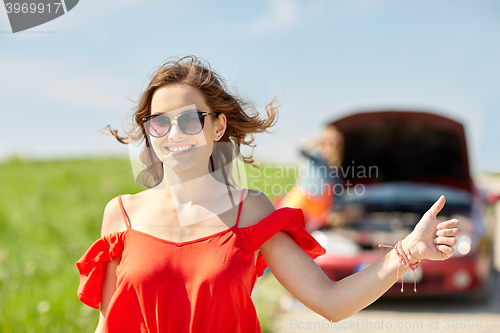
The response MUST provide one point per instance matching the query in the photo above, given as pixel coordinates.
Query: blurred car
(396, 165)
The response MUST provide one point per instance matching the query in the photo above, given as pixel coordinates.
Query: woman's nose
(175, 133)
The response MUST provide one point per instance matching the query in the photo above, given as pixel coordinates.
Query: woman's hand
(432, 239)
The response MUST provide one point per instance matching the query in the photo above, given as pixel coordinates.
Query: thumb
(438, 205)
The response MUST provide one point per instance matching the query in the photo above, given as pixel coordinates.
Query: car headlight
(465, 244)
(467, 239)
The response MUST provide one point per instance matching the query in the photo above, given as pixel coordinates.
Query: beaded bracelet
(406, 263)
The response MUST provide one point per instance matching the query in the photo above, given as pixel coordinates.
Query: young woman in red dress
(178, 257)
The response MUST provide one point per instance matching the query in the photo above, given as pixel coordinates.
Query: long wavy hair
(242, 119)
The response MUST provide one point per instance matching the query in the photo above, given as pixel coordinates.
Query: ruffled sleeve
(90, 267)
(290, 220)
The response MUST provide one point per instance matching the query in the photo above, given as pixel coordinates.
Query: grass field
(50, 213)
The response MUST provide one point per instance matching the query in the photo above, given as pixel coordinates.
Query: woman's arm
(301, 276)
(112, 221)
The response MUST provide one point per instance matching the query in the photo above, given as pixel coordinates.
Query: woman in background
(321, 185)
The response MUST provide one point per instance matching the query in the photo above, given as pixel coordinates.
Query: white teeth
(179, 148)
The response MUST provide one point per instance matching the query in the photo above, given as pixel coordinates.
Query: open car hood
(404, 146)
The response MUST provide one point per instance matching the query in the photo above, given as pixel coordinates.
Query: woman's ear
(220, 125)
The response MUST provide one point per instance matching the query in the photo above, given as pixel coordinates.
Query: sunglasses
(190, 122)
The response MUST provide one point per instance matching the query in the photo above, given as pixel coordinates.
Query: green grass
(266, 296)
(50, 213)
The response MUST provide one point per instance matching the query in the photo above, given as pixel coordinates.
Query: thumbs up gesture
(432, 239)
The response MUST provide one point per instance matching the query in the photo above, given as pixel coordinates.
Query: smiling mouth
(179, 149)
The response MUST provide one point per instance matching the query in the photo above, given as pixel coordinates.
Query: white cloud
(361, 7)
(348, 10)
(283, 15)
(87, 12)
(56, 83)
(63, 107)
(287, 15)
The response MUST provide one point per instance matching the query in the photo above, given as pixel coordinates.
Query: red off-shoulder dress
(202, 285)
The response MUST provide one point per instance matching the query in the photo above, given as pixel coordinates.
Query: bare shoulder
(113, 219)
(256, 206)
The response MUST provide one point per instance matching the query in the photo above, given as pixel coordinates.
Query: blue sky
(63, 81)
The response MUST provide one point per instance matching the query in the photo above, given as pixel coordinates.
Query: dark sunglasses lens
(191, 122)
(159, 125)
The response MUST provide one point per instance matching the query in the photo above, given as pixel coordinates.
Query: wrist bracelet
(411, 255)
(403, 259)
